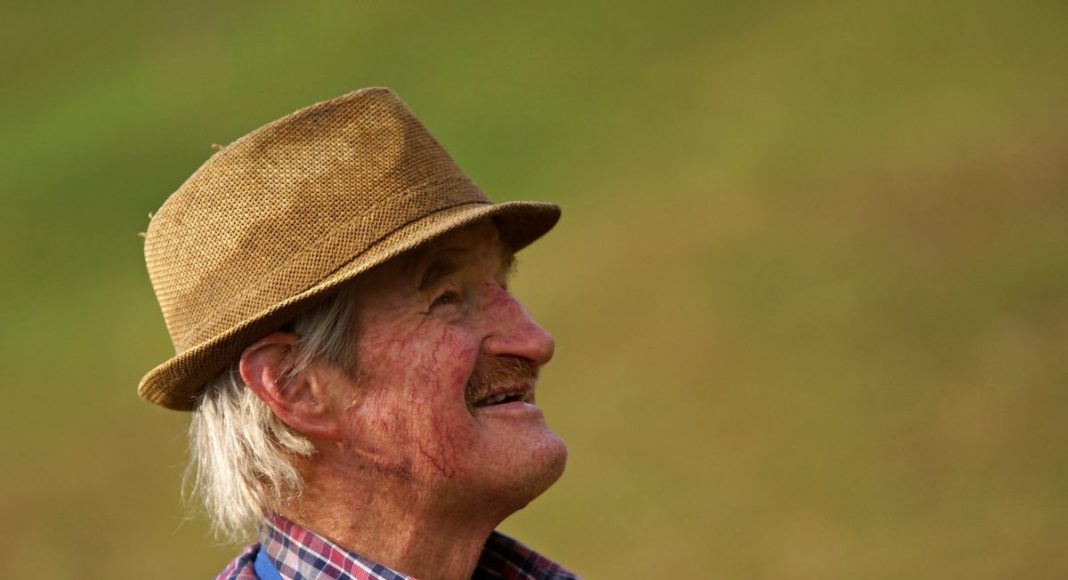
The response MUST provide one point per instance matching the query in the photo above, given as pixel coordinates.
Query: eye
(446, 298)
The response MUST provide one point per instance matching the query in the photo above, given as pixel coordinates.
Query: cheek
(412, 397)
(434, 364)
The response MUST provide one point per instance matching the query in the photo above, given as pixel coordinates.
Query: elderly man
(361, 381)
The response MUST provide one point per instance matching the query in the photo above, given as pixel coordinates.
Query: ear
(300, 400)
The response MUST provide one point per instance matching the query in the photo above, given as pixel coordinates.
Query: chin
(510, 473)
(543, 467)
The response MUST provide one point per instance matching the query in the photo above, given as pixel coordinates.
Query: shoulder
(241, 567)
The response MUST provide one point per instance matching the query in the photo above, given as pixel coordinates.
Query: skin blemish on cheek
(444, 467)
(438, 394)
(446, 448)
(437, 450)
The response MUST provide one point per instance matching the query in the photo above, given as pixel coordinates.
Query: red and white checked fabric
(300, 554)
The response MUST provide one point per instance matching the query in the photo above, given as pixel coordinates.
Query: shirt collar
(299, 553)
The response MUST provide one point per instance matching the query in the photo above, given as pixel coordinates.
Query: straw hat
(293, 210)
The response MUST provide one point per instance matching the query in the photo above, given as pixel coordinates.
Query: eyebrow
(440, 265)
(445, 262)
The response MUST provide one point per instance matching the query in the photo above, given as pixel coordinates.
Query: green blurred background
(810, 290)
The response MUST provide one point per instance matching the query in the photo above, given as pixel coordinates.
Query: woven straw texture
(289, 212)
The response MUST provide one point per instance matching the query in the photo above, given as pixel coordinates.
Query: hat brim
(175, 384)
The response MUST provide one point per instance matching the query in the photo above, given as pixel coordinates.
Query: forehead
(475, 243)
(478, 238)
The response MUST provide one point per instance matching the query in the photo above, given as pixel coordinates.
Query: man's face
(447, 363)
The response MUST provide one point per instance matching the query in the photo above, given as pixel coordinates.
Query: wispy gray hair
(241, 454)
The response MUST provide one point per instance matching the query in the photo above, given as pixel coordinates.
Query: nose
(512, 332)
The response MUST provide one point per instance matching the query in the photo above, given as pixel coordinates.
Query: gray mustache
(498, 373)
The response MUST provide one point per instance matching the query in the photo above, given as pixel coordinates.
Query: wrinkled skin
(413, 467)
(417, 351)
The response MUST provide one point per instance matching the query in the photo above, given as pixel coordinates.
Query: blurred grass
(809, 291)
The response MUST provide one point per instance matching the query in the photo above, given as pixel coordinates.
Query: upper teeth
(495, 399)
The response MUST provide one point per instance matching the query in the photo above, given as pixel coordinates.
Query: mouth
(522, 394)
(501, 382)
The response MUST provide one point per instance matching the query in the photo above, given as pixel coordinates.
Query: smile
(502, 399)
(520, 395)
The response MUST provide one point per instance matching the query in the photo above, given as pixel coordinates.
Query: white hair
(241, 454)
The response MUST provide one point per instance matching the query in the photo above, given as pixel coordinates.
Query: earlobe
(300, 399)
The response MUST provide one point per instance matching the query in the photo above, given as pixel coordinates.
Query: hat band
(326, 255)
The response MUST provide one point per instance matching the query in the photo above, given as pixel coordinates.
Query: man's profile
(361, 381)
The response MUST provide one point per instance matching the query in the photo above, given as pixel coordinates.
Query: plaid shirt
(301, 554)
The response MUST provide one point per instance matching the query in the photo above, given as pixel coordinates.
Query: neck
(394, 522)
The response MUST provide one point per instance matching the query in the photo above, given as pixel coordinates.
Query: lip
(513, 409)
(524, 391)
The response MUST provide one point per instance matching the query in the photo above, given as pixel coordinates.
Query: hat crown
(285, 206)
